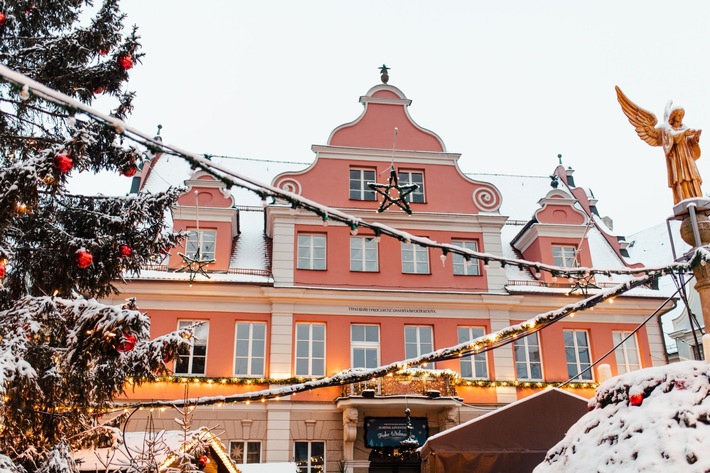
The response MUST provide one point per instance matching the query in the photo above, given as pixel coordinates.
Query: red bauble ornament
(99, 90)
(103, 51)
(129, 170)
(125, 250)
(126, 343)
(83, 258)
(636, 399)
(203, 461)
(3, 269)
(3, 19)
(125, 62)
(63, 163)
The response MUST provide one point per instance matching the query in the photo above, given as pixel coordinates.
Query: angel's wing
(643, 121)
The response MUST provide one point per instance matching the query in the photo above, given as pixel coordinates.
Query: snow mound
(656, 419)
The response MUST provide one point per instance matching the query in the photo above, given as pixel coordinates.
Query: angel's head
(676, 117)
(674, 114)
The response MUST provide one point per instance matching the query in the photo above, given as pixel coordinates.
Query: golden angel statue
(680, 143)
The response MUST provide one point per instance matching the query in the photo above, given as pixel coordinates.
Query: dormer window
(413, 177)
(565, 256)
(204, 240)
(359, 178)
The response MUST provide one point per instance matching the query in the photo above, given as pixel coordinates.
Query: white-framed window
(310, 349)
(528, 361)
(473, 366)
(413, 177)
(311, 251)
(627, 353)
(204, 241)
(418, 340)
(309, 456)
(415, 259)
(192, 361)
(245, 451)
(250, 349)
(577, 354)
(359, 178)
(461, 266)
(564, 256)
(365, 345)
(363, 254)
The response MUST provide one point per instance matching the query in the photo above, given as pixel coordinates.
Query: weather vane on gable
(384, 77)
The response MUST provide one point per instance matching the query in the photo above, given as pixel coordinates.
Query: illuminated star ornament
(194, 265)
(393, 193)
(583, 284)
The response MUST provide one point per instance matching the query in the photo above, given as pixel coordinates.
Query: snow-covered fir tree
(63, 355)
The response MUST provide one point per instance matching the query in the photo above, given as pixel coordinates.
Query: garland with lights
(230, 178)
(479, 345)
(642, 276)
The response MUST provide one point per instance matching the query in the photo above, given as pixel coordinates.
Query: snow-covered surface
(250, 250)
(268, 468)
(121, 454)
(667, 432)
(520, 193)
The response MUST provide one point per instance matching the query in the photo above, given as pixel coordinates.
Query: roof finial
(559, 156)
(384, 77)
(157, 135)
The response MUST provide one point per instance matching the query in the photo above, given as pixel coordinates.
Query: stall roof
(513, 438)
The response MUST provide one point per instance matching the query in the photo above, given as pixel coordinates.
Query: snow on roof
(269, 468)
(250, 250)
(520, 193)
(655, 419)
(137, 446)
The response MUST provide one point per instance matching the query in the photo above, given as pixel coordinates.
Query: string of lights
(327, 214)
(639, 276)
(478, 345)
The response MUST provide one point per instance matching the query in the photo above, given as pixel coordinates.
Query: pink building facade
(292, 296)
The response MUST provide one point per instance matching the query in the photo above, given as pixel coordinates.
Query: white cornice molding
(385, 155)
(538, 230)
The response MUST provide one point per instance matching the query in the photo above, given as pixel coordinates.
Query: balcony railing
(398, 385)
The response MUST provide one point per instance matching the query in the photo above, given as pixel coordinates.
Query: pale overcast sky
(508, 84)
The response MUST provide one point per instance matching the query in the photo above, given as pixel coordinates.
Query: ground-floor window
(309, 456)
(245, 452)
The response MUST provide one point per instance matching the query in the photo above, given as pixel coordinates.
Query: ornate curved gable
(385, 110)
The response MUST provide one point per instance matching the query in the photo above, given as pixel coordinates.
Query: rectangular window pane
(627, 354)
(528, 362)
(310, 349)
(461, 266)
(365, 345)
(413, 177)
(249, 348)
(415, 259)
(363, 254)
(309, 456)
(193, 360)
(564, 256)
(418, 340)
(473, 366)
(577, 354)
(359, 189)
(201, 245)
(245, 452)
(311, 252)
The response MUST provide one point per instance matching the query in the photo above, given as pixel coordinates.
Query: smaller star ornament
(393, 193)
(194, 265)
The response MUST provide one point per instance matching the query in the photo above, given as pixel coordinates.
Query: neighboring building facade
(291, 296)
